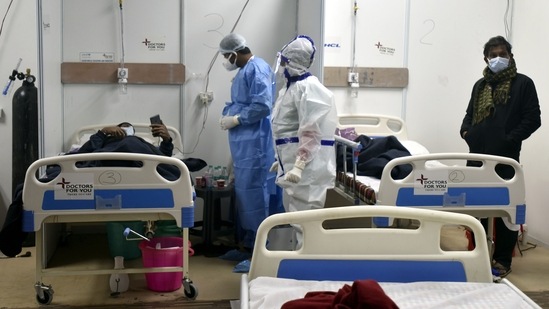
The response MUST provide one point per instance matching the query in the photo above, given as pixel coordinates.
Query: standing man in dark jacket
(502, 112)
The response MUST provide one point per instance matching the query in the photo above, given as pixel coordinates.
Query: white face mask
(129, 131)
(230, 66)
(498, 64)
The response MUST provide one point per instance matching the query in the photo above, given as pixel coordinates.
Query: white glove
(229, 122)
(295, 174)
(274, 167)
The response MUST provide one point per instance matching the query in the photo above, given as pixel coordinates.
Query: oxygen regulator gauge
(30, 79)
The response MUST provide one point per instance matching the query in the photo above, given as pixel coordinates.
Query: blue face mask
(498, 64)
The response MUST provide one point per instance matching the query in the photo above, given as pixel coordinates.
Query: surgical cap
(299, 52)
(232, 43)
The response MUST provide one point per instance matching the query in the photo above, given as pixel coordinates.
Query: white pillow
(84, 138)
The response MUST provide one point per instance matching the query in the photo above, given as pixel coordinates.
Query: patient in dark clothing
(116, 138)
(374, 155)
(122, 138)
(114, 135)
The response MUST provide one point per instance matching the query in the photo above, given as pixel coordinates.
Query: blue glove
(229, 122)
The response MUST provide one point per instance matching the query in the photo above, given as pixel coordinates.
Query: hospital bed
(409, 264)
(142, 130)
(363, 188)
(102, 194)
(440, 181)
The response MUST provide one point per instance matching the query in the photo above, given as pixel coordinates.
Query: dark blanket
(364, 294)
(12, 235)
(129, 144)
(374, 155)
(135, 144)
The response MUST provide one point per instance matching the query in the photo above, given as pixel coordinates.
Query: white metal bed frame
(112, 194)
(477, 191)
(381, 254)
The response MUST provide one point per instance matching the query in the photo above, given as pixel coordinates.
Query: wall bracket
(107, 73)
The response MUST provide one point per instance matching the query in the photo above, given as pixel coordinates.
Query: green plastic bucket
(167, 228)
(118, 244)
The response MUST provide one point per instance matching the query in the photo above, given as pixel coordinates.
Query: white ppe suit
(303, 123)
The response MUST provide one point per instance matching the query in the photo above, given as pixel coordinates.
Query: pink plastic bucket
(168, 253)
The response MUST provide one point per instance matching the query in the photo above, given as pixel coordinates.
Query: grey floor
(213, 277)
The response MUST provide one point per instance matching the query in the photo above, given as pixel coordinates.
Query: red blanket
(362, 295)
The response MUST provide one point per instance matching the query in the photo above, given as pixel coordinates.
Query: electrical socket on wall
(353, 77)
(206, 97)
(123, 73)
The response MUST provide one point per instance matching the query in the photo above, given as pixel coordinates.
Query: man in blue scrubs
(247, 119)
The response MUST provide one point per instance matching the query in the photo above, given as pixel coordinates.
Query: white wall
(530, 26)
(80, 26)
(444, 47)
(377, 21)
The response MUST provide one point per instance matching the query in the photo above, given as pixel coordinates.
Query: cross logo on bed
(63, 183)
(422, 179)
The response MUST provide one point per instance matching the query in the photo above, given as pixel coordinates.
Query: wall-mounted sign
(96, 57)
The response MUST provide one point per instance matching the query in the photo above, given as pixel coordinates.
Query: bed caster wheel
(44, 294)
(191, 292)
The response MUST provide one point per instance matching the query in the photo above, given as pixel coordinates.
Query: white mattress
(414, 147)
(266, 292)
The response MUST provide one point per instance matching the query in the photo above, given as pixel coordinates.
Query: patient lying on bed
(374, 155)
(117, 138)
(121, 138)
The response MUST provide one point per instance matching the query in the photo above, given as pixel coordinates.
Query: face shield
(276, 65)
(278, 78)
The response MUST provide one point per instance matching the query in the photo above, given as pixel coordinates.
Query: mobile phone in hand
(156, 119)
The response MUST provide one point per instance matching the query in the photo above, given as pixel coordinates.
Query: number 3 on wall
(219, 20)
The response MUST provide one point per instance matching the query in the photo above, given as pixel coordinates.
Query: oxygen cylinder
(25, 129)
